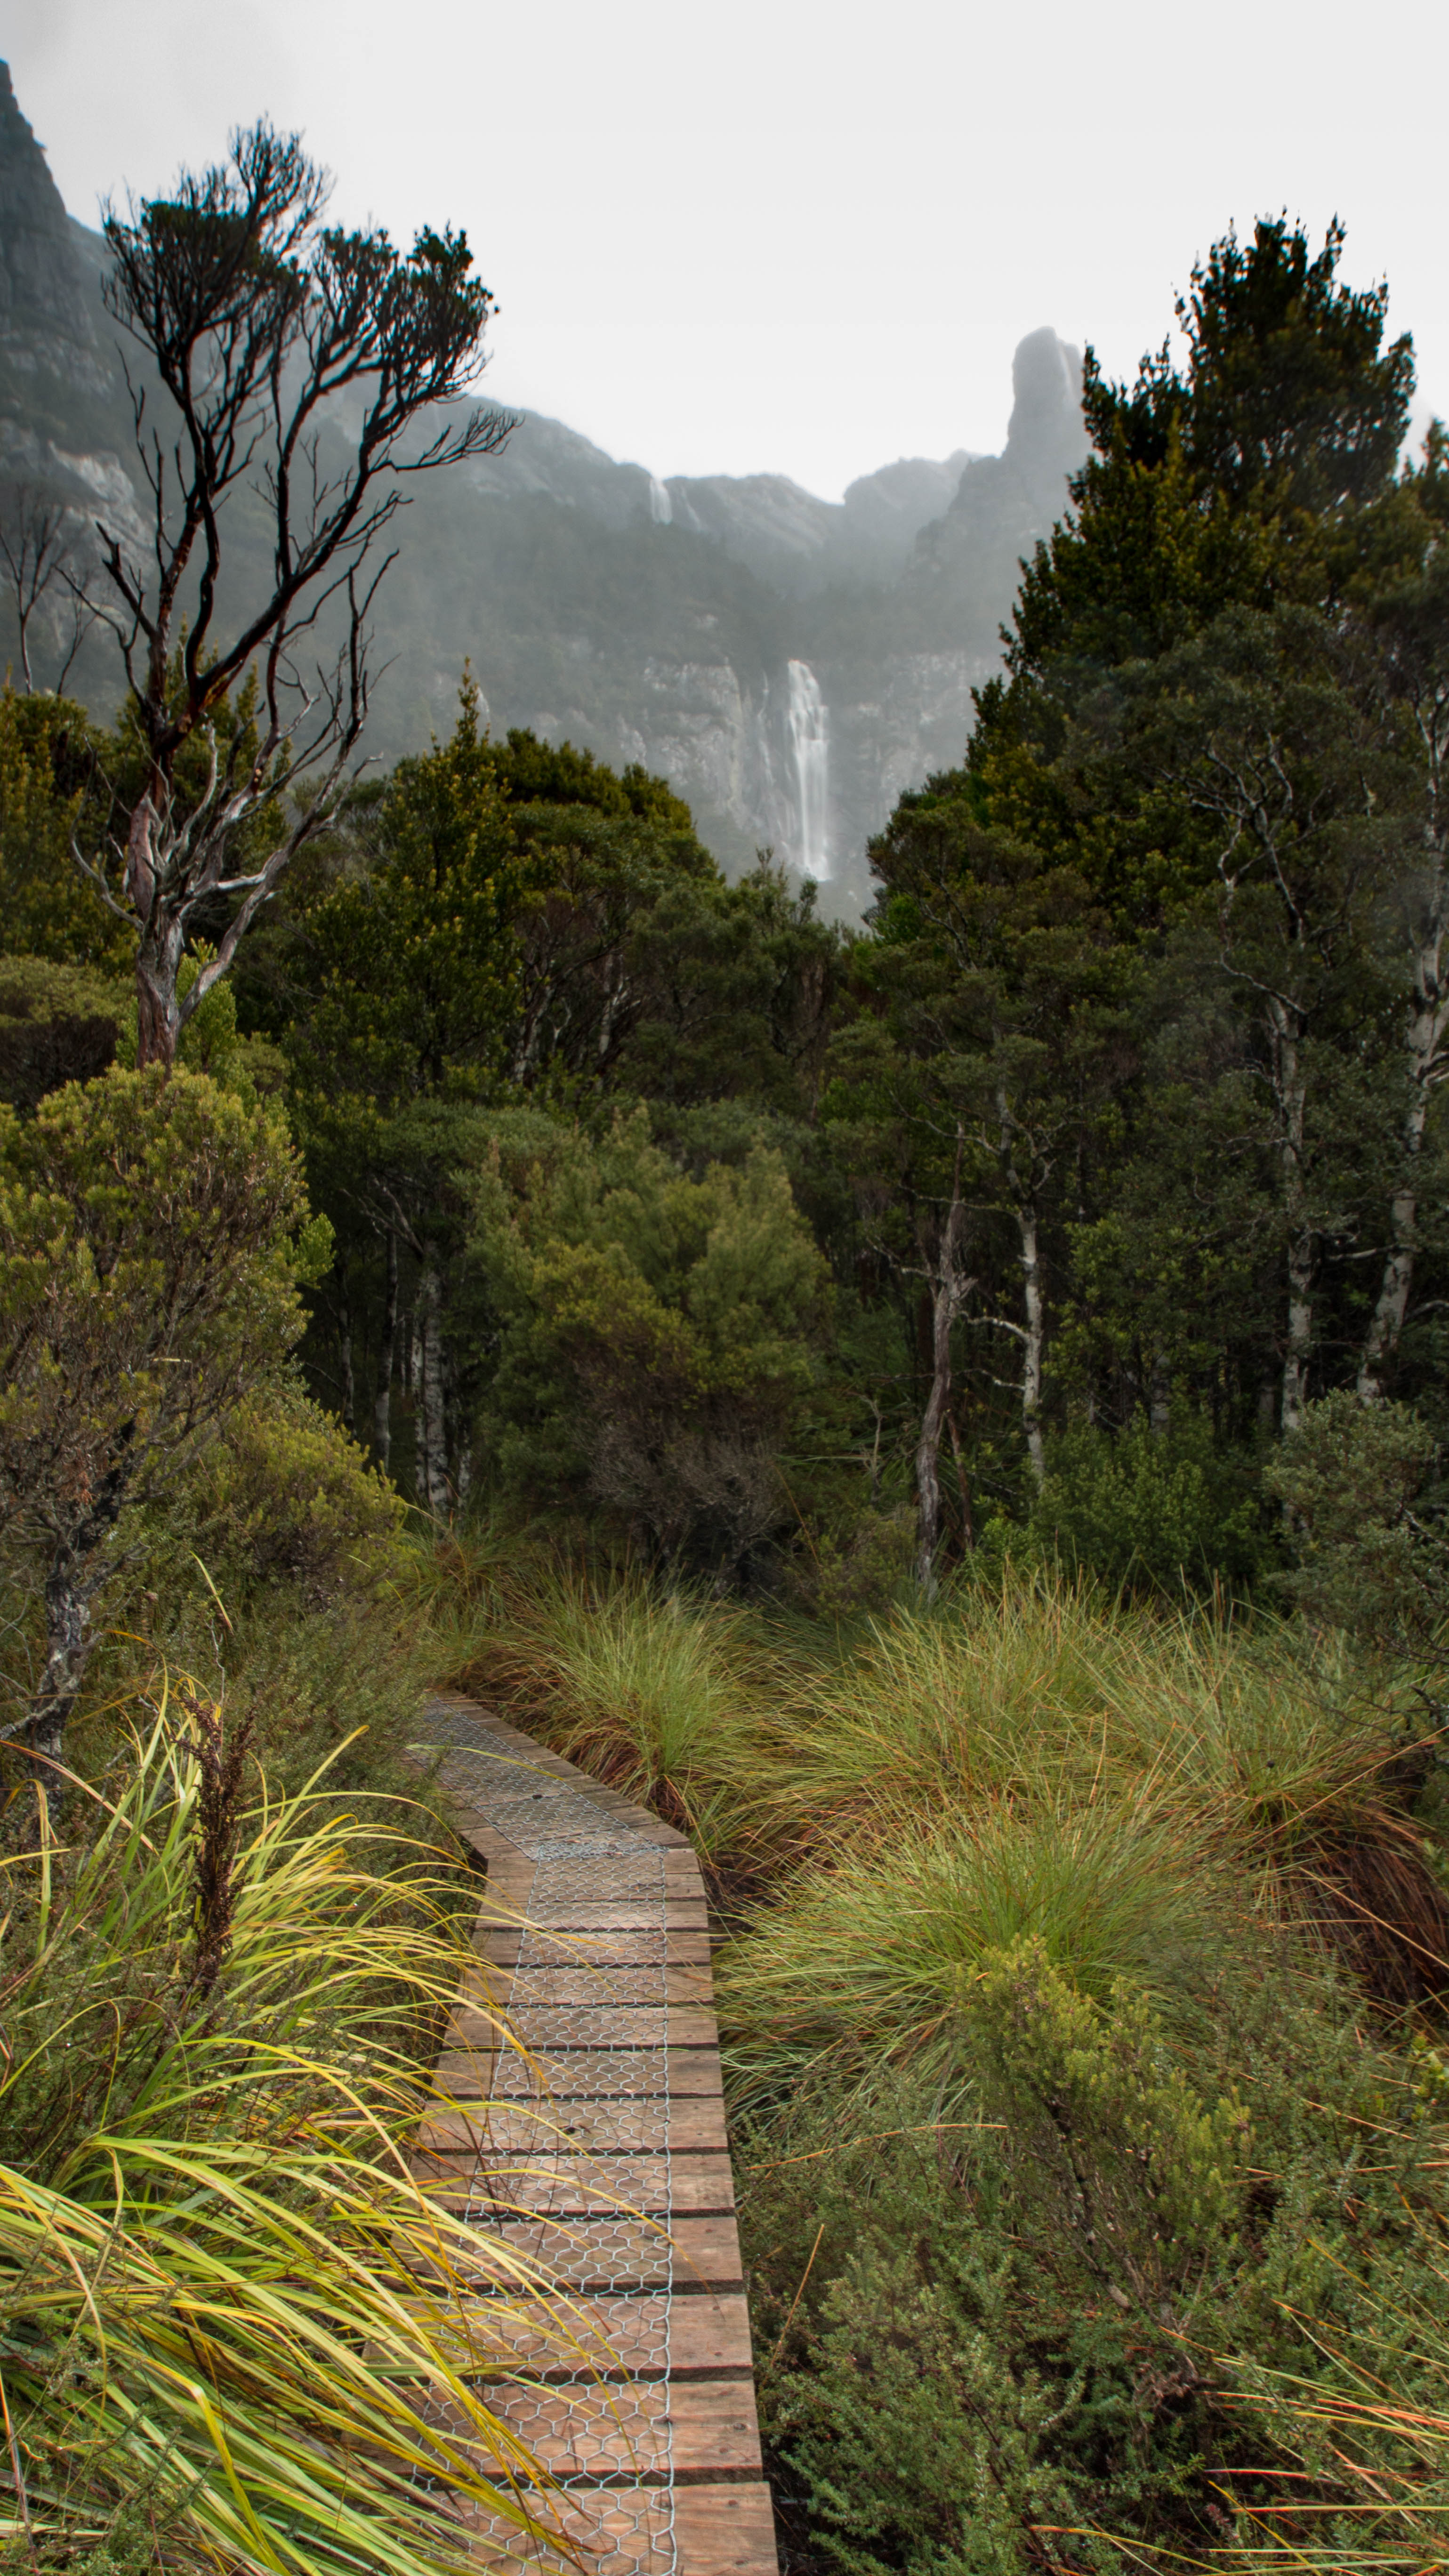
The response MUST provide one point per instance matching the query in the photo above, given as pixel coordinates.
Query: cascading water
(661, 505)
(810, 734)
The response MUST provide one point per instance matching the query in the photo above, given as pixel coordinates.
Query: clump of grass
(670, 1701)
(228, 2304)
(879, 1961)
(1279, 1754)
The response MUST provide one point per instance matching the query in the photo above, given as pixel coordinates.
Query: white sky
(777, 235)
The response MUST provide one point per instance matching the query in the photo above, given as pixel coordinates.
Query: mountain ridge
(790, 664)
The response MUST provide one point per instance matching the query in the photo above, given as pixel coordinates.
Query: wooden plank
(613, 2123)
(580, 2072)
(705, 2336)
(577, 2186)
(613, 1946)
(724, 2531)
(699, 2428)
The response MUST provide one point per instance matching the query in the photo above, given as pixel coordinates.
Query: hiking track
(599, 2153)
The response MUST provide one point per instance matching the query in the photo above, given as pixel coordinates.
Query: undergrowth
(236, 2331)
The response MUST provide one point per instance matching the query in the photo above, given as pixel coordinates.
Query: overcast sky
(780, 235)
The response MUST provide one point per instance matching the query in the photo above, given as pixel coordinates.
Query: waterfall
(661, 507)
(810, 734)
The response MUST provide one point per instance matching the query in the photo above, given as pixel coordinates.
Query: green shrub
(154, 1234)
(58, 1024)
(657, 1334)
(997, 2373)
(282, 1495)
(1365, 1526)
(1129, 2302)
(880, 1960)
(1159, 1510)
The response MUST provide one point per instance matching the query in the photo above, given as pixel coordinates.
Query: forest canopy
(1115, 1131)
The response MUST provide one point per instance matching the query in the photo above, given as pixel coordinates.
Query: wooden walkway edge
(604, 2160)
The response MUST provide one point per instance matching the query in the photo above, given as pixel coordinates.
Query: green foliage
(881, 1960)
(657, 1331)
(154, 1234)
(280, 1495)
(49, 909)
(225, 2301)
(1369, 1548)
(1166, 1509)
(153, 1239)
(415, 962)
(1215, 485)
(211, 1042)
(1005, 2354)
(58, 1024)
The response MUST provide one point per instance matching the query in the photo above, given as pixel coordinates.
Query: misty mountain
(789, 664)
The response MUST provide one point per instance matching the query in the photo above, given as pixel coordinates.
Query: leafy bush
(1370, 1550)
(1129, 2301)
(58, 1024)
(1161, 1510)
(153, 1235)
(657, 1333)
(282, 1495)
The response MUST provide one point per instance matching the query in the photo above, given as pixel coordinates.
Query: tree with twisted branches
(298, 364)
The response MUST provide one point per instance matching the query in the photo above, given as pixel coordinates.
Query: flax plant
(226, 2301)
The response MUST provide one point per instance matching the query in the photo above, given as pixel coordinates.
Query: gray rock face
(44, 315)
(789, 664)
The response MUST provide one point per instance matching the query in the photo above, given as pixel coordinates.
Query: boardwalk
(606, 2160)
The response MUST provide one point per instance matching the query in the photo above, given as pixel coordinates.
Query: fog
(778, 236)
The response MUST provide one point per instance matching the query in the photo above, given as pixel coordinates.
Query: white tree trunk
(1034, 1339)
(948, 1288)
(386, 1358)
(1428, 1021)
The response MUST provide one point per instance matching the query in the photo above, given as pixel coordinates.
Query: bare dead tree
(43, 578)
(268, 330)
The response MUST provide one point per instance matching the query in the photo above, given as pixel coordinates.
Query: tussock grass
(229, 2308)
(1262, 1750)
(671, 1701)
(878, 1962)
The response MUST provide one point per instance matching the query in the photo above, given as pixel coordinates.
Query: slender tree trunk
(344, 1345)
(159, 949)
(382, 1401)
(963, 1481)
(67, 1647)
(1285, 1028)
(77, 1571)
(1428, 1017)
(948, 1289)
(1034, 1308)
(433, 1475)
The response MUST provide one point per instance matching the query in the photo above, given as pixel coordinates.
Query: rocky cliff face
(45, 321)
(789, 664)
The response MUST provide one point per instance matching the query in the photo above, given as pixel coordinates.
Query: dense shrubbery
(657, 1332)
